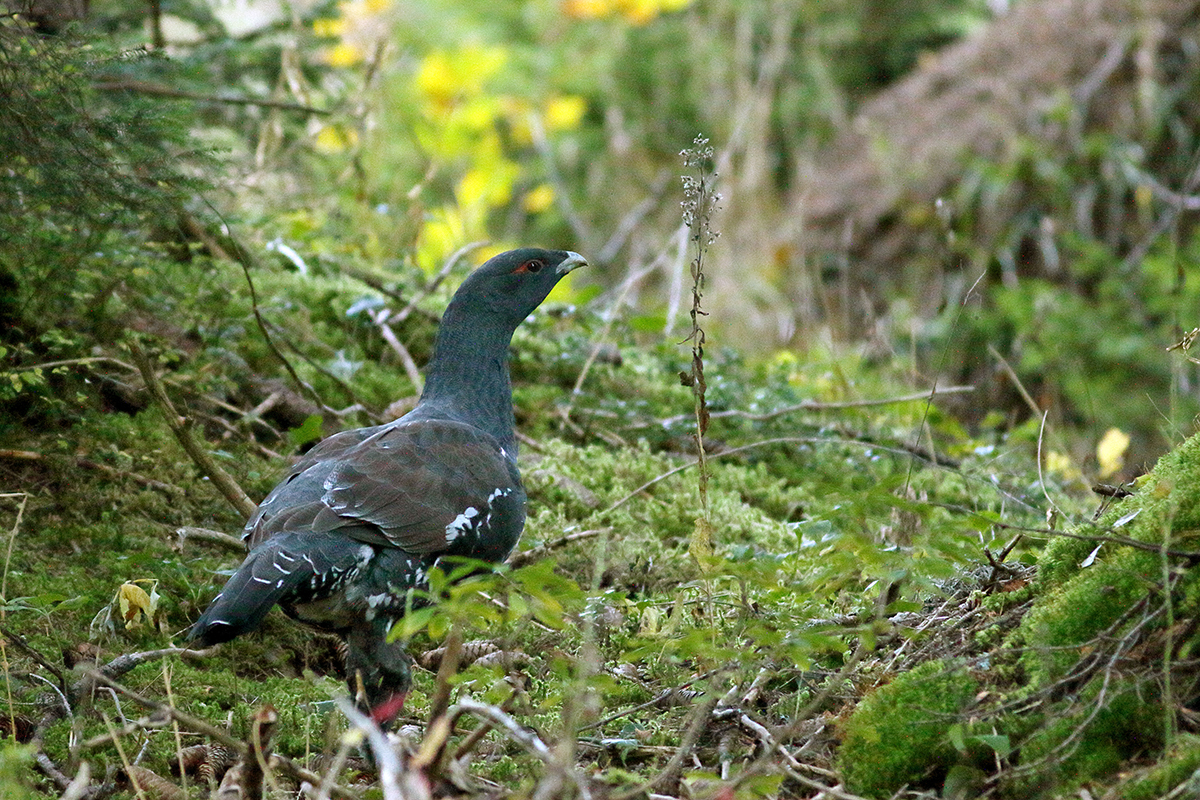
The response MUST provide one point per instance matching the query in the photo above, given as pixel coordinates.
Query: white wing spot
(461, 524)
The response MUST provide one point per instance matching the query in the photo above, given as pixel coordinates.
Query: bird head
(511, 285)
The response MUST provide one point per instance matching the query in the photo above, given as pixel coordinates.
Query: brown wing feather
(407, 481)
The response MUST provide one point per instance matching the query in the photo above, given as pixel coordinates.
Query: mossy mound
(899, 734)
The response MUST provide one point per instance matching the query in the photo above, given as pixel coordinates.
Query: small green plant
(699, 203)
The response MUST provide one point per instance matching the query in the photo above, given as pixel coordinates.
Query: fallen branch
(180, 426)
(215, 537)
(526, 739)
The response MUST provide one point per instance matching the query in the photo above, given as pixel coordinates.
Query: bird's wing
(417, 485)
(302, 483)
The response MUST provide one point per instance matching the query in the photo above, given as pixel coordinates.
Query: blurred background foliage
(943, 190)
(384, 135)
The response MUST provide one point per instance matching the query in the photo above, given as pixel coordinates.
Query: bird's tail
(290, 567)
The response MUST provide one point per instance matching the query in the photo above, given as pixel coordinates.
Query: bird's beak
(572, 261)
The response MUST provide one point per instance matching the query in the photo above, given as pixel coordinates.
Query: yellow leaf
(1110, 452)
(134, 605)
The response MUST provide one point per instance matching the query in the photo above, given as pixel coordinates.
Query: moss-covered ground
(864, 610)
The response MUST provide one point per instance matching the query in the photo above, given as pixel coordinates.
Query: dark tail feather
(273, 570)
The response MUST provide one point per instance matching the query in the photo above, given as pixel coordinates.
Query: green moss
(1079, 747)
(898, 734)
(1180, 763)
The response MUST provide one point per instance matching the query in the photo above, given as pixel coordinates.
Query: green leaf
(997, 742)
(309, 431)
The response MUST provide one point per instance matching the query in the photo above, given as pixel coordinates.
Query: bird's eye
(530, 266)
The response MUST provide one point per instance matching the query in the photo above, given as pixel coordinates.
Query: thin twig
(810, 405)
(528, 740)
(699, 717)
(447, 267)
(396, 782)
(142, 87)
(206, 535)
(199, 725)
(536, 553)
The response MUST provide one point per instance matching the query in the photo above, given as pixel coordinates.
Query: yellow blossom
(327, 28)
(1061, 465)
(343, 54)
(1110, 451)
(443, 232)
(564, 113)
(447, 75)
(539, 198)
(334, 139)
(588, 9)
(490, 185)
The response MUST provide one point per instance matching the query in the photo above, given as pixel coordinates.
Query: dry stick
(205, 535)
(243, 261)
(179, 425)
(484, 728)
(526, 739)
(392, 775)
(77, 789)
(257, 771)
(335, 767)
(291, 768)
(660, 697)
(406, 359)
(70, 362)
(281, 332)
(28, 650)
(142, 87)
(784, 734)
(446, 669)
(535, 553)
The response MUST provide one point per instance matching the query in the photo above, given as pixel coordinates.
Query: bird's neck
(468, 380)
